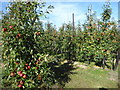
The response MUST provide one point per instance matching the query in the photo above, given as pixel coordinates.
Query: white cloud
(44, 21)
(62, 13)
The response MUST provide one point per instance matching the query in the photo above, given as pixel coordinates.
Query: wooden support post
(73, 21)
(74, 34)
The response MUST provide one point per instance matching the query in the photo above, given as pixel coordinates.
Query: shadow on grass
(62, 73)
(100, 65)
(103, 88)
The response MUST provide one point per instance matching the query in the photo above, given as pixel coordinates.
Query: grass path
(91, 77)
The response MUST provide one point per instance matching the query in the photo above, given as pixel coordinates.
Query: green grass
(91, 78)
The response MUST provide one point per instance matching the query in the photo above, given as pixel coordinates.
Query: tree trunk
(103, 63)
(117, 60)
(113, 65)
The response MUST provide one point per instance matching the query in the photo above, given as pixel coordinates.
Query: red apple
(37, 33)
(103, 33)
(5, 29)
(28, 67)
(21, 82)
(18, 35)
(36, 62)
(24, 76)
(113, 34)
(19, 85)
(105, 50)
(102, 27)
(10, 26)
(6, 32)
(12, 74)
(98, 39)
(17, 63)
(19, 72)
(26, 64)
(39, 59)
(1, 43)
(39, 77)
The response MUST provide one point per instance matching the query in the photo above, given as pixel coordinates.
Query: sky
(63, 9)
(62, 13)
